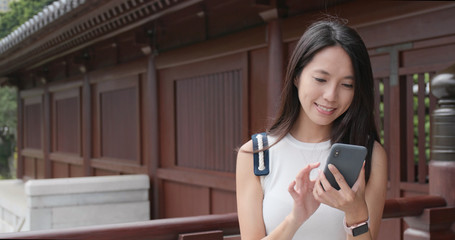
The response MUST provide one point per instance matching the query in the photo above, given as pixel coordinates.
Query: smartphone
(348, 159)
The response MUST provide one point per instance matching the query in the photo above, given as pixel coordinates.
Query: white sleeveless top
(286, 159)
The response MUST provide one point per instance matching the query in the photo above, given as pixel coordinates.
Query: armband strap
(261, 158)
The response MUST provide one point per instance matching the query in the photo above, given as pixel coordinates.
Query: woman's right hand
(301, 190)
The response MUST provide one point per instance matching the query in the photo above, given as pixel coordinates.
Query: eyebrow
(326, 73)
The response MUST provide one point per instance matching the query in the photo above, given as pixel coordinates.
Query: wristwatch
(356, 229)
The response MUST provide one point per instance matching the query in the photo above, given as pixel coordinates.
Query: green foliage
(8, 123)
(381, 111)
(20, 12)
(8, 108)
(426, 137)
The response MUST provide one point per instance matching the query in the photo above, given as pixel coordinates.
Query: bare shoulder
(247, 147)
(245, 156)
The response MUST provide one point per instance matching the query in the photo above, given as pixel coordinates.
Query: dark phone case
(348, 159)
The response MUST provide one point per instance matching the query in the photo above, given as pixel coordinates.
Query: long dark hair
(355, 126)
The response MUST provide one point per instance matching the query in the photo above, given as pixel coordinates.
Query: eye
(320, 80)
(348, 85)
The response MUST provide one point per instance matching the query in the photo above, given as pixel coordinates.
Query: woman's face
(326, 86)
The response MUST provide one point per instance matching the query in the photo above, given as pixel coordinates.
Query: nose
(331, 93)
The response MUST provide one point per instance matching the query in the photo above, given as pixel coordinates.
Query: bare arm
(375, 192)
(249, 195)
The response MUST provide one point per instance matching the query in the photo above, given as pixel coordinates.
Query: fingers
(360, 180)
(323, 183)
(338, 177)
(302, 181)
(318, 188)
(305, 172)
(292, 191)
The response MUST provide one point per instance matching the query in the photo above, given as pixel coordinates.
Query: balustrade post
(442, 165)
(438, 223)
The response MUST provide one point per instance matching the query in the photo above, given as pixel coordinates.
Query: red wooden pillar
(276, 65)
(20, 135)
(86, 124)
(151, 131)
(438, 223)
(46, 137)
(276, 58)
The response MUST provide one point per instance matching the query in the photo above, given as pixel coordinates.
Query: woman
(327, 99)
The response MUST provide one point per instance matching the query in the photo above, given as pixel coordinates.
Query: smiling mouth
(325, 109)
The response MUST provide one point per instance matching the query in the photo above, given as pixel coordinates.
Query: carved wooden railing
(222, 226)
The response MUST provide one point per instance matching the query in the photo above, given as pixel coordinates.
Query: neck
(306, 130)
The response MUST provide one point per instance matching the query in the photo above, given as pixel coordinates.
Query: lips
(324, 109)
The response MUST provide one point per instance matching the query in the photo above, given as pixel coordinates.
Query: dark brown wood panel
(167, 78)
(257, 62)
(217, 75)
(116, 122)
(60, 170)
(40, 168)
(222, 201)
(436, 23)
(29, 168)
(185, 200)
(119, 124)
(76, 171)
(32, 126)
(67, 122)
(119, 119)
(208, 116)
(441, 54)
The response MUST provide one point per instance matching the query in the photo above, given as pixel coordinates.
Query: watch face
(360, 230)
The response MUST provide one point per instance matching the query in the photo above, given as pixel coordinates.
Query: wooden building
(171, 88)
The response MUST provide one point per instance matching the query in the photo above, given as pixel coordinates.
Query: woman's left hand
(351, 201)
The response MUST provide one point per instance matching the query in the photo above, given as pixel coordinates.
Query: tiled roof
(47, 15)
(68, 25)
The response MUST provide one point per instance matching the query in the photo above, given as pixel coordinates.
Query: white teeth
(325, 109)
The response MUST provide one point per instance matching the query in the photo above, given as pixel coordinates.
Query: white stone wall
(13, 205)
(72, 202)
